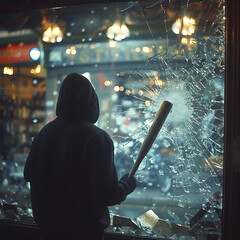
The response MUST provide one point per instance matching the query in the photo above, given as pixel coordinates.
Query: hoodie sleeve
(27, 167)
(107, 189)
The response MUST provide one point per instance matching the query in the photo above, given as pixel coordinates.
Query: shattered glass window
(137, 54)
(180, 179)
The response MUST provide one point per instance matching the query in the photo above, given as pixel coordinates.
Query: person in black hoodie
(71, 168)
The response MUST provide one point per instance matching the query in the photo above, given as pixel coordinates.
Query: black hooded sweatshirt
(70, 166)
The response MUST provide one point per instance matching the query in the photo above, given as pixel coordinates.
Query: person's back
(71, 168)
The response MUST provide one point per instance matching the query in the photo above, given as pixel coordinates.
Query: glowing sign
(18, 53)
(34, 54)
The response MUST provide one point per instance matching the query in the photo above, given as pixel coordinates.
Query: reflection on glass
(176, 53)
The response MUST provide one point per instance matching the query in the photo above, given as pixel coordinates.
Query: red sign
(17, 53)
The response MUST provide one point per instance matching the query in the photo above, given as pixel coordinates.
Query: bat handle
(152, 134)
(134, 168)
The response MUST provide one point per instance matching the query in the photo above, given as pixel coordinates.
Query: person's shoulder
(100, 132)
(47, 127)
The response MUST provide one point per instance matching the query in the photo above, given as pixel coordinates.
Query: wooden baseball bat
(152, 134)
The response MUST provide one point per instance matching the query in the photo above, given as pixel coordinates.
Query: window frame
(231, 192)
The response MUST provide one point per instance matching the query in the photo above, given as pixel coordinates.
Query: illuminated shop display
(173, 51)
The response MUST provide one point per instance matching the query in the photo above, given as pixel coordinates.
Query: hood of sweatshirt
(77, 99)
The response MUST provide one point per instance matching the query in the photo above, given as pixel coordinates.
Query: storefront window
(136, 54)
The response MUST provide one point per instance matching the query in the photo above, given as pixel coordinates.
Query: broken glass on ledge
(149, 224)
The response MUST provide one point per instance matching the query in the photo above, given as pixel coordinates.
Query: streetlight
(52, 34)
(185, 26)
(118, 31)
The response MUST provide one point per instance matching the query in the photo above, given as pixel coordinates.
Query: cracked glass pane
(137, 54)
(180, 179)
